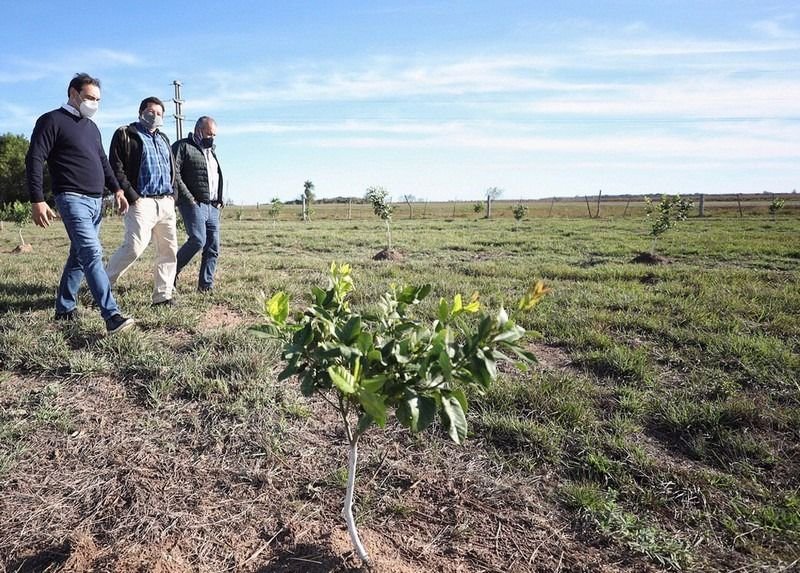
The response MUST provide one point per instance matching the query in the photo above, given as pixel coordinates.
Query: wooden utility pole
(178, 111)
(597, 211)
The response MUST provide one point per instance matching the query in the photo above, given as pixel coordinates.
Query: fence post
(739, 201)
(702, 205)
(597, 211)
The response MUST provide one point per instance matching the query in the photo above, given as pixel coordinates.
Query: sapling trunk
(389, 233)
(21, 240)
(347, 511)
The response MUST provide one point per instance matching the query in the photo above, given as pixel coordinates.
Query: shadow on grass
(19, 297)
(308, 558)
(49, 559)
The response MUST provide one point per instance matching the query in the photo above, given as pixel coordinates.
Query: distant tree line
(13, 149)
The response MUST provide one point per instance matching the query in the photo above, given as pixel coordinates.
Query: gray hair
(202, 121)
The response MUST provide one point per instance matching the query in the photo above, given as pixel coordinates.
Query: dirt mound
(645, 258)
(388, 255)
(26, 248)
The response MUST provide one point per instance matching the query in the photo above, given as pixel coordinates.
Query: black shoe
(69, 316)
(118, 323)
(206, 288)
(167, 302)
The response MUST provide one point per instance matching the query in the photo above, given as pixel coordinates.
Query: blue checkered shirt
(155, 170)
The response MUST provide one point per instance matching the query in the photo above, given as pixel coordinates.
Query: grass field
(660, 430)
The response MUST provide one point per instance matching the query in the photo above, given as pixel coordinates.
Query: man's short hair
(152, 99)
(81, 80)
(203, 120)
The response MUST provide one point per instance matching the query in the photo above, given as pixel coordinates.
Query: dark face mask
(206, 142)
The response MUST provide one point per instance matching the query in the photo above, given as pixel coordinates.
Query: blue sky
(439, 99)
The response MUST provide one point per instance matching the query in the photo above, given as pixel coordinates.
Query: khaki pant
(149, 217)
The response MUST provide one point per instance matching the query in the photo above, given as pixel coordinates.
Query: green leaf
(408, 294)
(374, 356)
(342, 379)
(266, 331)
(350, 330)
(307, 384)
(407, 412)
(277, 307)
(373, 405)
(457, 304)
(375, 383)
(454, 418)
(484, 328)
(525, 355)
(459, 395)
(364, 343)
(364, 422)
(510, 333)
(491, 365)
(291, 368)
(444, 311)
(427, 411)
(446, 366)
(319, 295)
(416, 411)
(423, 291)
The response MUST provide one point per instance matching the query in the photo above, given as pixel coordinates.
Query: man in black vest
(198, 180)
(69, 141)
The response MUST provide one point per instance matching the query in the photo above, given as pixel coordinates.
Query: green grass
(674, 433)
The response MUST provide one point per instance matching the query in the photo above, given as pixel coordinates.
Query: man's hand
(120, 202)
(42, 213)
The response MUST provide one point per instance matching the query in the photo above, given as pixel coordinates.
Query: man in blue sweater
(70, 143)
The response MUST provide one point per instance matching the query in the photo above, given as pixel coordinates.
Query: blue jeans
(202, 229)
(81, 215)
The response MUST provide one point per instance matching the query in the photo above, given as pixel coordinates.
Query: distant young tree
(308, 198)
(492, 193)
(665, 214)
(275, 207)
(776, 205)
(477, 207)
(19, 214)
(382, 207)
(519, 211)
(409, 199)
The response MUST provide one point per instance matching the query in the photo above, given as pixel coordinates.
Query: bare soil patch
(550, 357)
(219, 316)
(181, 488)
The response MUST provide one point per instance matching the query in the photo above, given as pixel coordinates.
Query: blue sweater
(74, 153)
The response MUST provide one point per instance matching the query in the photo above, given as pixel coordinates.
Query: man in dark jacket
(69, 141)
(198, 180)
(142, 160)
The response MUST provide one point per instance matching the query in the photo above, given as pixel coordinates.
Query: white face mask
(88, 108)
